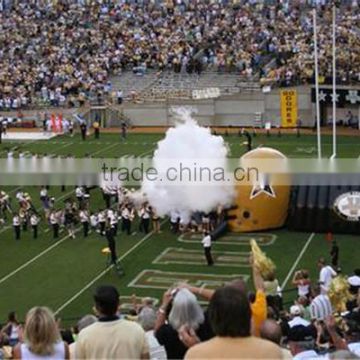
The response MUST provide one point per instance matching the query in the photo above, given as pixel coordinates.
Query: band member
(23, 213)
(113, 220)
(102, 221)
(123, 130)
(4, 206)
(54, 222)
(174, 221)
(71, 128)
(94, 222)
(206, 242)
(127, 216)
(34, 222)
(69, 222)
(155, 221)
(110, 237)
(96, 127)
(83, 130)
(44, 198)
(84, 219)
(144, 215)
(16, 226)
(79, 193)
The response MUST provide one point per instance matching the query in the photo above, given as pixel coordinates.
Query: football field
(62, 274)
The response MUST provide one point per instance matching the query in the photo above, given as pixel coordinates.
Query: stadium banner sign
(289, 108)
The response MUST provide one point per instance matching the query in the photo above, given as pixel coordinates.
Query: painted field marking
(302, 252)
(145, 153)
(196, 257)
(156, 279)
(104, 149)
(264, 239)
(126, 302)
(23, 266)
(99, 276)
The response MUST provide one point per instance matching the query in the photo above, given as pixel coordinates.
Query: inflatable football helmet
(262, 200)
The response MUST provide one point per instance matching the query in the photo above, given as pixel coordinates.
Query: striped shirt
(320, 307)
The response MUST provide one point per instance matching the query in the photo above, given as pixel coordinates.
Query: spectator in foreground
(12, 329)
(182, 309)
(111, 337)
(230, 318)
(83, 323)
(302, 342)
(42, 338)
(147, 319)
(271, 330)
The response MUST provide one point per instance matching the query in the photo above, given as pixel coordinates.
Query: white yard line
(297, 261)
(99, 276)
(145, 152)
(105, 148)
(23, 266)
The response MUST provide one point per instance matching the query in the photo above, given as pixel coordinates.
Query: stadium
(179, 179)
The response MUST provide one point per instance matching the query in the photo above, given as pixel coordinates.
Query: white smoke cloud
(189, 144)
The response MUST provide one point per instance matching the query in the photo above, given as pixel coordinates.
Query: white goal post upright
(334, 78)
(317, 85)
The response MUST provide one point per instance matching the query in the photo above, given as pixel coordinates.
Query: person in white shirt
(127, 216)
(34, 222)
(79, 193)
(84, 219)
(113, 220)
(94, 223)
(16, 226)
(297, 319)
(44, 197)
(54, 222)
(144, 218)
(326, 275)
(102, 221)
(206, 242)
(174, 221)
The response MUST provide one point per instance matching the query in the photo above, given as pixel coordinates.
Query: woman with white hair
(180, 309)
(42, 338)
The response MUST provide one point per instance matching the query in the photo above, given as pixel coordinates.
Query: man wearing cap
(297, 318)
(354, 281)
(301, 341)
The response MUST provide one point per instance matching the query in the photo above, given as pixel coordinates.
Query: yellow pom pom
(265, 265)
(339, 293)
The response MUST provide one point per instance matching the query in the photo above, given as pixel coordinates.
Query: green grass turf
(65, 271)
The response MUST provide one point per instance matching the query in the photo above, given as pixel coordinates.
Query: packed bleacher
(62, 53)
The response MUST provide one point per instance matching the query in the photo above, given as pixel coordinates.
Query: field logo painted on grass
(231, 239)
(156, 279)
(126, 302)
(196, 257)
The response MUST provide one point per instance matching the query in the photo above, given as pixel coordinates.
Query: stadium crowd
(236, 324)
(65, 52)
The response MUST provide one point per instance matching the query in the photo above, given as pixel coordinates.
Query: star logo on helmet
(262, 187)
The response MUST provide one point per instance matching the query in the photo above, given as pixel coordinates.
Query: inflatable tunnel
(332, 208)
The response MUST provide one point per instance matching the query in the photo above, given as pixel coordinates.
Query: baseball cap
(300, 333)
(295, 310)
